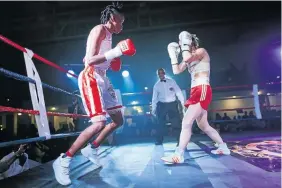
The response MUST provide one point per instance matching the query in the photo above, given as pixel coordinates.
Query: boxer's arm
(178, 68)
(198, 55)
(94, 41)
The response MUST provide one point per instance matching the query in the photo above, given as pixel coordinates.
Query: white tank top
(105, 46)
(197, 67)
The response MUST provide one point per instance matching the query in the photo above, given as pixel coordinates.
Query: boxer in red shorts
(197, 61)
(96, 90)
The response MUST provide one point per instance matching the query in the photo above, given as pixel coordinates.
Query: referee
(164, 102)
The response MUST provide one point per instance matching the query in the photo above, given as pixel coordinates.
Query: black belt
(167, 102)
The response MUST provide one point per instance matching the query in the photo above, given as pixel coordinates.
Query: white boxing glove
(173, 52)
(185, 41)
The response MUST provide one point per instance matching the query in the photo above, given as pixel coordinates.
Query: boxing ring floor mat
(139, 165)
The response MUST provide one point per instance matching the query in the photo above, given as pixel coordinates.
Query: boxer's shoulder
(201, 50)
(98, 30)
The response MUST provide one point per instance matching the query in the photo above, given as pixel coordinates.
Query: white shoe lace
(94, 152)
(65, 170)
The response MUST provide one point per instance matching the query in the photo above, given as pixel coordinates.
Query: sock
(94, 144)
(67, 154)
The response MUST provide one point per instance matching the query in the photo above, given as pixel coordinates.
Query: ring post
(256, 101)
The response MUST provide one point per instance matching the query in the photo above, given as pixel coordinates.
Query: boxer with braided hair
(97, 93)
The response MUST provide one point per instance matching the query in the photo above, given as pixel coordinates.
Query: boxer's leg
(117, 121)
(190, 115)
(94, 107)
(114, 109)
(91, 94)
(203, 124)
(110, 99)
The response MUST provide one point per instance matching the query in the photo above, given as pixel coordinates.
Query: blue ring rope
(27, 79)
(36, 139)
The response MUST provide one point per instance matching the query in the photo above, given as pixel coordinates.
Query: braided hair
(115, 8)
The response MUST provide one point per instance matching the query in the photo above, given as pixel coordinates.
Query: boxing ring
(148, 170)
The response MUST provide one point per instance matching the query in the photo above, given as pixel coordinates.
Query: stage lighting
(70, 71)
(125, 73)
(134, 102)
(146, 88)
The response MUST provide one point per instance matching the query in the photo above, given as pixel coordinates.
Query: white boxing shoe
(61, 169)
(91, 154)
(221, 150)
(176, 157)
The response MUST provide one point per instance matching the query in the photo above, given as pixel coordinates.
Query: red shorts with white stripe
(202, 94)
(97, 93)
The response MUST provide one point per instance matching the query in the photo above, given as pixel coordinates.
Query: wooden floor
(139, 165)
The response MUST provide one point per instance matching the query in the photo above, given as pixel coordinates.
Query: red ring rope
(35, 112)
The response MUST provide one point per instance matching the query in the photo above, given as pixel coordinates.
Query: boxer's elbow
(96, 59)
(175, 72)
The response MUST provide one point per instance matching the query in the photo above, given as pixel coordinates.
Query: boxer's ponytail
(115, 8)
(195, 41)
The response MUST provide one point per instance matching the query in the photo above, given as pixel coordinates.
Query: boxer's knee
(205, 127)
(117, 118)
(118, 122)
(97, 126)
(187, 123)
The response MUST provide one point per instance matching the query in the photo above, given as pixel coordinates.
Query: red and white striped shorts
(202, 94)
(97, 93)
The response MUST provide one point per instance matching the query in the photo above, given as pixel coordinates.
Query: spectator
(14, 163)
(217, 116)
(251, 115)
(245, 116)
(225, 117)
(218, 124)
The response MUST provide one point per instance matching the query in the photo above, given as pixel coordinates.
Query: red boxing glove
(116, 64)
(125, 47)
